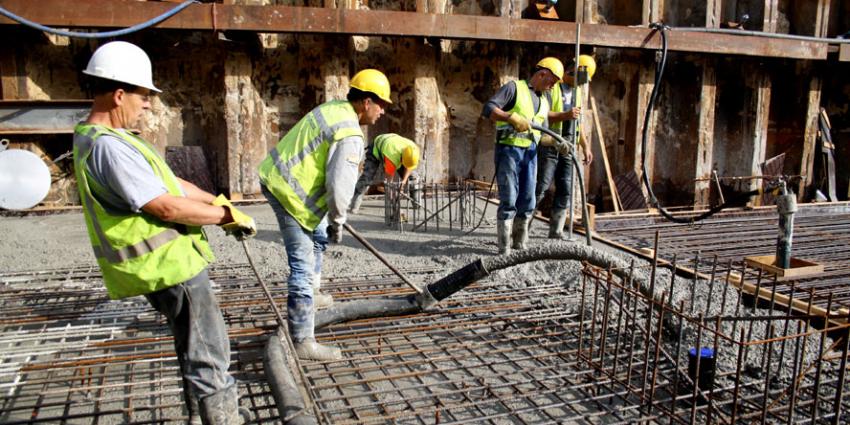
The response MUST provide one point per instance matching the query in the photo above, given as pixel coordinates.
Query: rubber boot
(320, 300)
(556, 224)
(519, 237)
(356, 202)
(222, 408)
(309, 349)
(503, 233)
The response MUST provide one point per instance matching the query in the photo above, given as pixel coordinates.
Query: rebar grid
(424, 207)
(71, 355)
(770, 367)
(492, 354)
(821, 234)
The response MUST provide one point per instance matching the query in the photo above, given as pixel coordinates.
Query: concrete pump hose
(469, 274)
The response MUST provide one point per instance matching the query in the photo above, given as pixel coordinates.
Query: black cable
(653, 200)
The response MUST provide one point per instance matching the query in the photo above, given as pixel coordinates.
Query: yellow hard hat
(410, 157)
(589, 64)
(552, 64)
(372, 81)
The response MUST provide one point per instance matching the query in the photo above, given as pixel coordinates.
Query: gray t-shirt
(505, 98)
(121, 168)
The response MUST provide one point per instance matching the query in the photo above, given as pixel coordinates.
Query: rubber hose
(109, 34)
(469, 274)
(286, 395)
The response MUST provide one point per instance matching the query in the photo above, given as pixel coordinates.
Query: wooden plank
(705, 135)
(799, 267)
(771, 15)
(645, 85)
(807, 160)
(713, 10)
(615, 196)
(289, 19)
(822, 19)
(761, 85)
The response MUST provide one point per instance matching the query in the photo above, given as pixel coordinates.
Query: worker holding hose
(514, 106)
(554, 161)
(145, 227)
(399, 155)
(309, 180)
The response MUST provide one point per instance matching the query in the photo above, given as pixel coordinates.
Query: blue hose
(108, 34)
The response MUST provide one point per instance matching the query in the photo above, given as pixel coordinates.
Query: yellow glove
(242, 227)
(519, 122)
(547, 140)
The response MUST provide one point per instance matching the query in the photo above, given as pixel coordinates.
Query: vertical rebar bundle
(423, 207)
(712, 362)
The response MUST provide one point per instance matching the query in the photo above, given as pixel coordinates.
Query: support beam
(771, 15)
(287, 19)
(645, 85)
(245, 122)
(760, 105)
(713, 13)
(810, 137)
(705, 135)
(822, 20)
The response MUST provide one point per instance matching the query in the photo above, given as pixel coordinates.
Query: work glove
(334, 233)
(519, 122)
(242, 227)
(547, 140)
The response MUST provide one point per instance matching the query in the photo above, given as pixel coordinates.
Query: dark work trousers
(200, 335)
(552, 165)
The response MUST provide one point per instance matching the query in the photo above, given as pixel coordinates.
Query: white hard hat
(123, 62)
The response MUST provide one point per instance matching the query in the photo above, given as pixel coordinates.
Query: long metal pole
(381, 257)
(576, 91)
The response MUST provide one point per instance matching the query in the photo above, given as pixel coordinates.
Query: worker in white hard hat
(145, 227)
(554, 161)
(514, 107)
(399, 155)
(309, 180)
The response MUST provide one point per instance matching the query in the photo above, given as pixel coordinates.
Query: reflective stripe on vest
(390, 146)
(524, 106)
(557, 106)
(173, 253)
(343, 123)
(105, 249)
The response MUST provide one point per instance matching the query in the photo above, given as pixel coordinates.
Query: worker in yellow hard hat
(399, 155)
(514, 107)
(144, 224)
(554, 161)
(309, 179)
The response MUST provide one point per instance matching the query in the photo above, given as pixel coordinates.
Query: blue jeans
(551, 164)
(516, 174)
(301, 246)
(200, 335)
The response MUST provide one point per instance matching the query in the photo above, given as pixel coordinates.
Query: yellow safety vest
(390, 147)
(558, 106)
(137, 252)
(294, 171)
(524, 106)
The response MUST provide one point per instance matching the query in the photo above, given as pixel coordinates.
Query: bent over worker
(400, 155)
(514, 107)
(145, 227)
(555, 161)
(309, 180)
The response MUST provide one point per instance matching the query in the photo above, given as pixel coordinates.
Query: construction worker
(145, 227)
(400, 155)
(514, 107)
(309, 180)
(554, 160)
